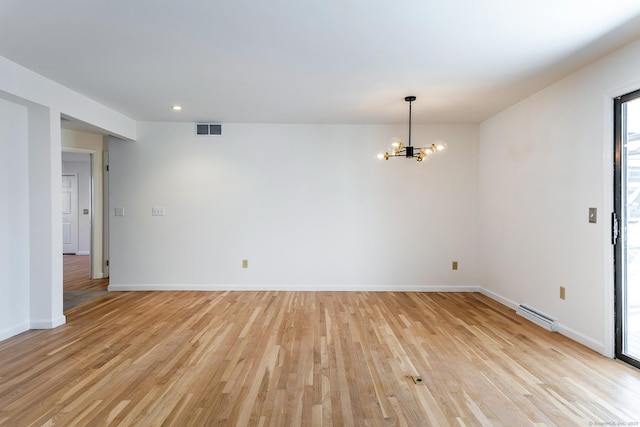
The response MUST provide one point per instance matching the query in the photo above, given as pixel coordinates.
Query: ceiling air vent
(208, 129)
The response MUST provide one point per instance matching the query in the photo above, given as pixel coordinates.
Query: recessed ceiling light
(176, 107)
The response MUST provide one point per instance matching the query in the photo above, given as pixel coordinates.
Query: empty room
(279, 213)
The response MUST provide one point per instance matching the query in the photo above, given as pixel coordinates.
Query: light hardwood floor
(77, 274)
(306, 358)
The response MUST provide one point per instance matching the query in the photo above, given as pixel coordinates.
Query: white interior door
(69, 214)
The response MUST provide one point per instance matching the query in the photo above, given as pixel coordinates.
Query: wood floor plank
(306, 359)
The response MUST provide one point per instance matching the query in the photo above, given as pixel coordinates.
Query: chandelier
(398, 149)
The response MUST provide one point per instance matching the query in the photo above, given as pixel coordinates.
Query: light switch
(157, 211)
(593, 215)
(119, 211)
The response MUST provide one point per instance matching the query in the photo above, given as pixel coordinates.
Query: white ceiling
(313, 61)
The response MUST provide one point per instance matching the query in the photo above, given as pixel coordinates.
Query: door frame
(96, 248)
(619, 166)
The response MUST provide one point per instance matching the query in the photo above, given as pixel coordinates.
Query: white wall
(307, 205)
(45, 218)
(14, 219)
(542, 164)
(36, 104)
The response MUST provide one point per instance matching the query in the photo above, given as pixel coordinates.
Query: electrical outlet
(562, 292)
(454, 265)
(245, 263)
(157, 211)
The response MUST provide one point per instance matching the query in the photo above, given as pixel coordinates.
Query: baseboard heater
(538, 318)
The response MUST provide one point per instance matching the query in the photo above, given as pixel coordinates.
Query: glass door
(626, 226)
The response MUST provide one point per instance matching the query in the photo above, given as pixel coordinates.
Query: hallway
(78, 285)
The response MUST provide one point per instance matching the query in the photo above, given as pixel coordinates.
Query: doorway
(78, 205)
(626, 220)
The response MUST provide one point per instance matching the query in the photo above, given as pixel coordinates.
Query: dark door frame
(619, 167)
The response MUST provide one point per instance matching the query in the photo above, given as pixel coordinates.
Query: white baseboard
(48, 323)
(83, 253)
(14, 330)
(562, 329)
(582, 339)
(320, 288)
(502, 300)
